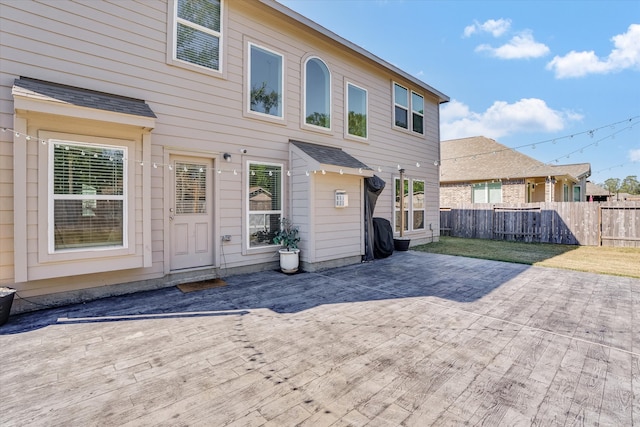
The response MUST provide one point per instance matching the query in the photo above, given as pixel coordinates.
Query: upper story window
(87, 196)
(402, 104)
(317, 92)
(417, 113)
(266, 80)
(198, 32)
(357, 111)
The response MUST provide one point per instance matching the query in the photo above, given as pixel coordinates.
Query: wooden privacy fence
(570, 223)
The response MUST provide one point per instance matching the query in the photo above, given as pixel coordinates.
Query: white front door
(191, 212)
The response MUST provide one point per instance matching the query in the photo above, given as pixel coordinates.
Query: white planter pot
(289, 260)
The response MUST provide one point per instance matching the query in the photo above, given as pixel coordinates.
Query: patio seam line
(396, 295)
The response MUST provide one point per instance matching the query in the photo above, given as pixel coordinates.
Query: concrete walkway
(415, 339)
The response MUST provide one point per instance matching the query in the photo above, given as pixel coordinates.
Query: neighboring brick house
(481, 170)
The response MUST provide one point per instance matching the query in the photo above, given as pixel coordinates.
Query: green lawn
(593, 259)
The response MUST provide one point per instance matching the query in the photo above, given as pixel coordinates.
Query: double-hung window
(404, 102)
(401, 106)
(317, 92)
(198, 32)
(417, 113)
(87, 196)
(266, 81)
(414, 205)
(264, 198)
(357, 111)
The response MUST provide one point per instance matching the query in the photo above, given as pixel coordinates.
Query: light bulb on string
(306, 173)
(235, 172)
(155, 165)
(170, 167)
(288, 173)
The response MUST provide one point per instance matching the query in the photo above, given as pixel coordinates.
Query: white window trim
(396, 179)
(248, 109)
(97, 253)
(247, 228)
(346, 111)
(416, 112)
(410, 110)
(486, 190)
(172, 42)
(304, 100)
(424, 204)
(410, 207)
(52, 197)
(395, 104)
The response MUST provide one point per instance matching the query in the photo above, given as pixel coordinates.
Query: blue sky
(558, 80)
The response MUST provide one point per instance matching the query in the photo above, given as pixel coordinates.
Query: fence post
(599, 225)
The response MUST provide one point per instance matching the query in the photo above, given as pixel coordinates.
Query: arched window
(317, 90)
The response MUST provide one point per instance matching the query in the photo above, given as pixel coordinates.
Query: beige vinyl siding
(302, 206)
(338, 231)
(120, 48)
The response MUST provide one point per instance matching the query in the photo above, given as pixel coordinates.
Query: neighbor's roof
(55, 92)
(480, 158)
(596, 190)
(330, 155)
(352, 46)
(577, 170)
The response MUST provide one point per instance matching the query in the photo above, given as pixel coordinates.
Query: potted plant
(287, 236)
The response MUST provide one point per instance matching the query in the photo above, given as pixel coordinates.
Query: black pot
(6, 300)
(401, 244)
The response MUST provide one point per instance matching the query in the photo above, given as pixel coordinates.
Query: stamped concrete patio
(415, 339)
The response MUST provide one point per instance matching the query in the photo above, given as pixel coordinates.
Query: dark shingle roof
(26, 86)
(330, 155)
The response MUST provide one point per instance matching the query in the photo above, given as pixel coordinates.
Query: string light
(629, 124)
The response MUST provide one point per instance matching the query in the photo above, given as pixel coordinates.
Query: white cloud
(634, 155)
(496, 27)
(625, 55)
(502, 118)
(521, 46)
